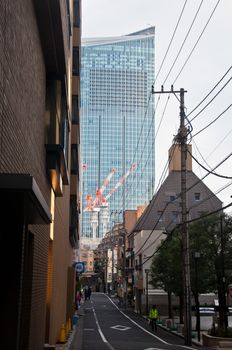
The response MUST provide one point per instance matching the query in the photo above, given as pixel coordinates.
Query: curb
(76, 342)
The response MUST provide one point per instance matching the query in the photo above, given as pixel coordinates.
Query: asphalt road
(106, 327)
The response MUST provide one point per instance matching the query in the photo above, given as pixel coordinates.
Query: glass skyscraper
(117, 125)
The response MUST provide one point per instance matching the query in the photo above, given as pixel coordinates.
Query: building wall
(22, 99)
(23, 73)
(22, 105)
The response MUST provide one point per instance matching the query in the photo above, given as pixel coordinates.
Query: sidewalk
(74, 341)
(177, 329)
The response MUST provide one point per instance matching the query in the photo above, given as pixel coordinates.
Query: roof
(171, 187)
(141, 34)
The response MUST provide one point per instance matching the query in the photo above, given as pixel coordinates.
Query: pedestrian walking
(89, 292)
(86, 292)
(78, 299)
(153, 316)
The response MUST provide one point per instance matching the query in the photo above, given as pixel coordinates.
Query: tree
(211, 237)
(166, 271)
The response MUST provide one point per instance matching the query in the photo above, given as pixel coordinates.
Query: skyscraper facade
(117, 127)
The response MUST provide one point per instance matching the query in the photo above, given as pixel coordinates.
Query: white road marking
(89, 329)
(101, 333)
(153, 335)
(120, 328)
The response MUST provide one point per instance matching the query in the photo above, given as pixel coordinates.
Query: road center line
(153, 335)
(101, 333)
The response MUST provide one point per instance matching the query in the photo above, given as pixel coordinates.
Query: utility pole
(181, 139)
(223, 308)
(99, 168)
(112, 256)
(147, 309)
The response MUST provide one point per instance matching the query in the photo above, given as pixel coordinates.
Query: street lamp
(147, 272)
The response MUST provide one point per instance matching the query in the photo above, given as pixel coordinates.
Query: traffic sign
(80, 266)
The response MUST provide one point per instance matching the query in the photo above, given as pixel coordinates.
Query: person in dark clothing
(89, 292)
(86, 292)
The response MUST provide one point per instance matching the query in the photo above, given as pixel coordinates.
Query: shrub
(220, 332)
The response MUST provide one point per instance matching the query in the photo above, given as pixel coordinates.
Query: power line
(182, 45)
(178, 196)
(191, 52)
(141, 219)
(209, 171)
(213, 121)
(169, 45)
(211, 100)
(188, 221)
(193, 206)
(209, 92)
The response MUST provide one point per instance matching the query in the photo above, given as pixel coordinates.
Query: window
(76, 14)
(175, 216)
(69, 21)
(64, 132)
(75, 109)
(160, 215)
(197, 196)
(57, 129)
(172, 198)
(74, 160)
(75, 61)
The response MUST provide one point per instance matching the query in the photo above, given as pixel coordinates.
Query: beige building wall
(87, 255)
(175, 158)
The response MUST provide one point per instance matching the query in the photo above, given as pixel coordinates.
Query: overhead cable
(169, 45)
(213, 121)
(209, 171)
(209, 92)
(182, 45)
(211, 100)
(188, 221)
(191, 52)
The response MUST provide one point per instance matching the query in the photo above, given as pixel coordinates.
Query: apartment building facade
(38, 168)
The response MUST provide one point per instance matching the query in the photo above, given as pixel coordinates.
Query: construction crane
(91, 203)
(100, 203)
(120, 183)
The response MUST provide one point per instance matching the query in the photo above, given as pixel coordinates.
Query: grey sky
(211, 58)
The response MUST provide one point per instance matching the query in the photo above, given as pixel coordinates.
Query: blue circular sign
(80, 267)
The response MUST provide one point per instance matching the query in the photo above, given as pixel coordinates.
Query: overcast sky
(210, 60)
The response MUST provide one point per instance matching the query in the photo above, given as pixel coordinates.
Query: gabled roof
(171, 187)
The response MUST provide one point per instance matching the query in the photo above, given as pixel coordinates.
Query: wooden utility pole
(181, 139)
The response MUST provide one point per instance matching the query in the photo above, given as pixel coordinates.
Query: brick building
(39, 170)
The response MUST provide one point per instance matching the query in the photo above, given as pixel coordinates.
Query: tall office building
(117, 126)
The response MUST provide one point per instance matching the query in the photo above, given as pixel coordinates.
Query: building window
(75, 61)
(76, 14)
(172, 198)
(69, 21)
(75, 109)
(197, 196)
(64, 136)
(74, 159)
(175, 216)
(56, 116)
(160, 215)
